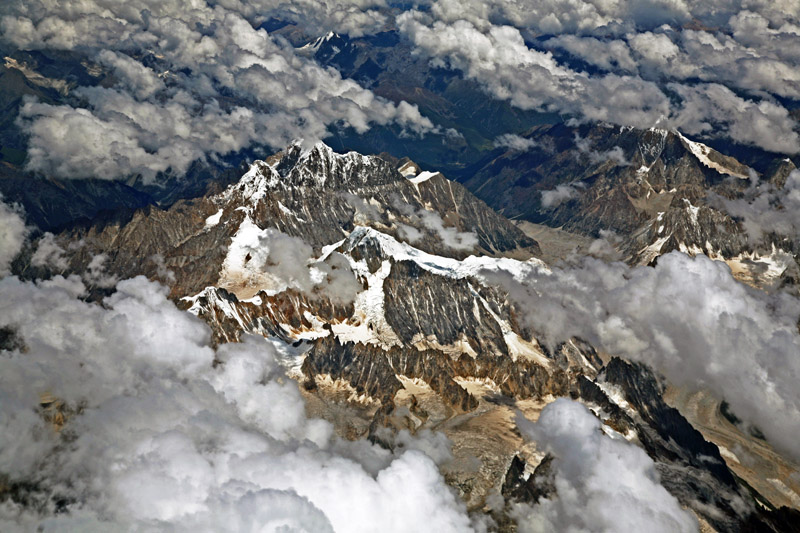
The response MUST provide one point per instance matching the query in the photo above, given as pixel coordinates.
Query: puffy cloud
(738, 58)
(163, 274)
(552, 16)
(125, 413)
(615, 154)
(179, 108)
(606, 246)
(717, 58)
(269, 258)
(76, 143)
(762, 124)
(49, 253)
(602, 484)
(739, 343)
(409, 233)
(12, 234)
(656, 52)
(449, 235)
(365, 211)
(500, 60)
(281, 257)
(221, 86)
(514, 142)
(209, 53)
(587, 16)
(431, 220)
(559, 195)
(142, 81)
(96, 274)
(753, 29)
(609, 55)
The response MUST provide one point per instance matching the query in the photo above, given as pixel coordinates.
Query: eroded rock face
(628, 398)
(417, 303)
(10, 340)
(690, 229)
(673, 436)
(366, 368)
(373, 371)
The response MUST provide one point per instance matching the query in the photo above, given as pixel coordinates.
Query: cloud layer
(202, 81)
(125, 413)
(650, 67)
(686, 317)
(768, 209)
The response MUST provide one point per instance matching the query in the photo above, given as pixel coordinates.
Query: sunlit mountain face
(379, 266)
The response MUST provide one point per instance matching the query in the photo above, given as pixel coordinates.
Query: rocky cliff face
(691, 468)
(628, 399)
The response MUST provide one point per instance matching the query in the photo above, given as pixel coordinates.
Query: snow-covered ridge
(314, 45)
(368, 323)
(701, 152)
(414, 174)
(315, 166)
(254, 184)
(422, 176)
(408, 170)
(214, 219)
(471, 266)
(343, 166)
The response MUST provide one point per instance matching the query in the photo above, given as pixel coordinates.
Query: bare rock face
(706, 230)
(365, 368)
(10, 340)
(418, 303)
(628, 398)
(284, 315)
(539, 484)
(673, 436)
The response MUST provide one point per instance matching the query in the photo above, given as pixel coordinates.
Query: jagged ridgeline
(375, 275)
(651, 191)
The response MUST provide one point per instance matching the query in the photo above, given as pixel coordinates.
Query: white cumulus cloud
(602, 484)
(688, 318)
(161, 431)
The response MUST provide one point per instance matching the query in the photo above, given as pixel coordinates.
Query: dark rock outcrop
(539, 484)
(691, 468)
